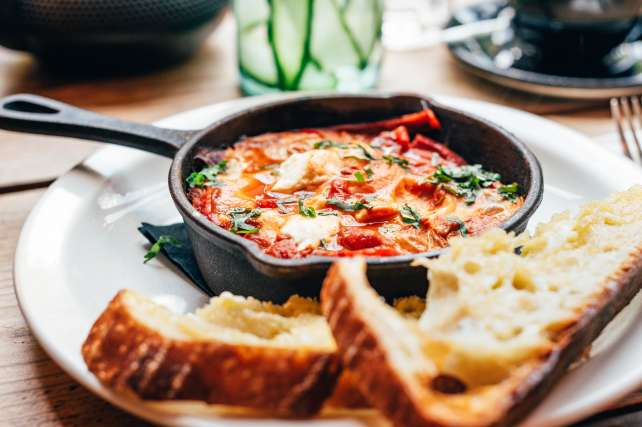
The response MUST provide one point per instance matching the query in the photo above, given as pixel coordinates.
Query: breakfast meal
(374, 189)
(504, 318)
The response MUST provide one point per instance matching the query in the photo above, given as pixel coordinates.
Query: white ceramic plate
(80, 246)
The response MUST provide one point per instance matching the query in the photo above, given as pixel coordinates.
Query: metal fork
(627, 115)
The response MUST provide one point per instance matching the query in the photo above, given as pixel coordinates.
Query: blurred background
(202, 70)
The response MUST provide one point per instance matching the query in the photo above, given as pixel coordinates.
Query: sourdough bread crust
(129, 356)
(362, 353)
(390, 391)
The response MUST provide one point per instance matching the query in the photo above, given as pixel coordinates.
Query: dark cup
(574, 34)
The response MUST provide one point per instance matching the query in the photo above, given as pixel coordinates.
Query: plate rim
(147, 413)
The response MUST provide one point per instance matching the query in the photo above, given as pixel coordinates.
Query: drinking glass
(308, 44)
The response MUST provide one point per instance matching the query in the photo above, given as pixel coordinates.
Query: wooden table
(33, 390)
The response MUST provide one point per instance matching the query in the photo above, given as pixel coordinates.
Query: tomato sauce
(350, 190)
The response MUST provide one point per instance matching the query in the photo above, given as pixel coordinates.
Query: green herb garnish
(367, 154)
(195, 179)
(463, 230)
(240, 216)
(207, 176)
(392, 160)
(509, 192)
(310, 212)
(155, 249)
(347, 206)
(359, 177)
(327, 214)
(409, 215)
(464, 181)
(280, 204)
(369, 172)
(324, 144)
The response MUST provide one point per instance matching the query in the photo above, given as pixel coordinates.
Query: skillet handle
(35, 114)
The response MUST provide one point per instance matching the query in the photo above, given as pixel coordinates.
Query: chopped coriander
(347, 206)
(212, 171)
(464, 181)
(207, 176)
(240, 216)
(310, 212)
(392, 160)
(369, 172)
(195, 179)
(509, 192)
(280, 204)
(359, 177)
(162, 241)
(327, 143)
(440, 175)
(367, 154)
(463, 230)
(409, 215)
(327, 214)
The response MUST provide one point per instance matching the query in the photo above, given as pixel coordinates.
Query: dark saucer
(505, 59)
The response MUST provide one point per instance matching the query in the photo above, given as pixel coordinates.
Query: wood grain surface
(33, 390)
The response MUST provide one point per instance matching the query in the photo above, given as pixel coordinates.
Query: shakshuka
(378, 189)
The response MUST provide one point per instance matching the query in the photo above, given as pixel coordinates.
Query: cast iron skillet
(229, 262)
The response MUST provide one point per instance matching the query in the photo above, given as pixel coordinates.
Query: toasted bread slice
(236, 351)
(500, 328)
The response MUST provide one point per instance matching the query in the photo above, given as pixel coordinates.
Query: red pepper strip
(266, 203)
(355, 238)
(428, 144)
(402, 137)
(315, 131)
(413, 120)
(433, 121)
(338, 187)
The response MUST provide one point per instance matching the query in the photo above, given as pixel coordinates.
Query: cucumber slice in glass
(290, 24)
(332, 44)
(315, 79)
(364, 22)
(256, 58)
(342, 3)
(251, 12)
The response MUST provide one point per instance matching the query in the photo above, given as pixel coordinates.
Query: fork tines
(627, 115)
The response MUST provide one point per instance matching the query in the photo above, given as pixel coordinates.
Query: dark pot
(113, 34)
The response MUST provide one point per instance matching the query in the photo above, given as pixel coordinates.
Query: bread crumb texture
(236, 319)
(490, 308)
